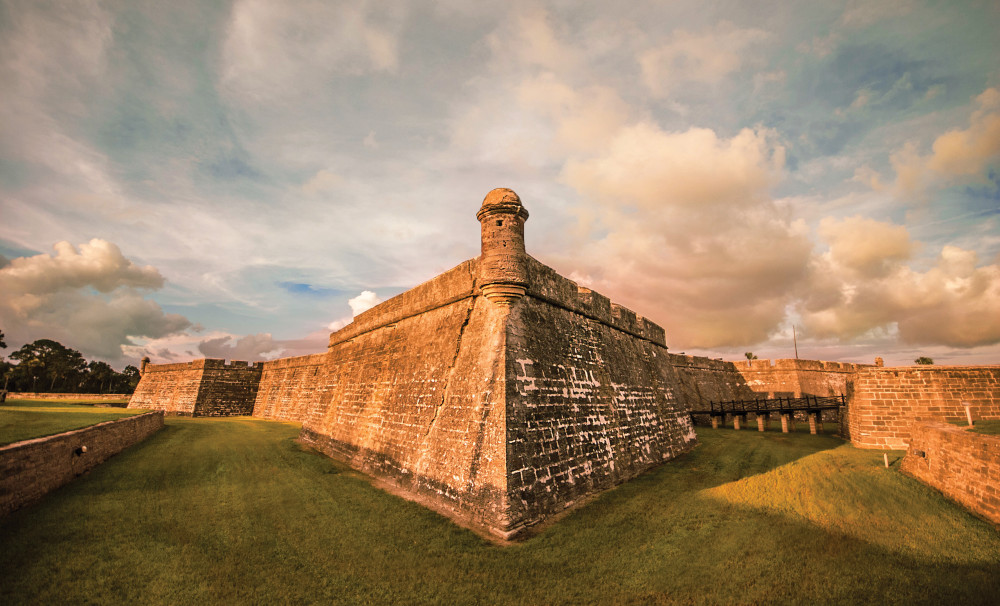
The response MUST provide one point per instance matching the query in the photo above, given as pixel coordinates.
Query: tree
(750, 355)
(128, 379)
(99, 377)
(3, 344)
(52, 360)
(924, 360)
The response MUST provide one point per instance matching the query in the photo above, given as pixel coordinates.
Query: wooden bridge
(763, 408)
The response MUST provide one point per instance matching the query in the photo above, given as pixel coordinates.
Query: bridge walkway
(763, 408)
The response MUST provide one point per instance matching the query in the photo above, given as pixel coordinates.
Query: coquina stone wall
(200, 388)
(797, 378)
(172, 388)
(591, 397)
(32, 468)
(291, 387)
(702, 380)
(887, 401)
(962, 464)
(415, 397)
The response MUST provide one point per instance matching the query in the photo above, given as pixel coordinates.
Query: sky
(237, 179)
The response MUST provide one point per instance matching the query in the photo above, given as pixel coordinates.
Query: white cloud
(88, 299)
(650, 167)
(322, 181)
(864, 285)
(98, 264)
(363, 302)
(956, 156)
(868, 247)
(694, 239)
(706, 57)
(277, 50)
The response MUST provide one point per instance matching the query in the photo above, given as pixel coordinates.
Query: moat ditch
(234, 510)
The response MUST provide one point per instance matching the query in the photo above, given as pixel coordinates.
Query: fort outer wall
(32, 468)
(796, 378)
(413, 395)
(200, 388)
(963, 465)
(887, 401)
(591, 396)
(290, 388)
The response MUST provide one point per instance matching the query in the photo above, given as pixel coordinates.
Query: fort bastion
(498, 393)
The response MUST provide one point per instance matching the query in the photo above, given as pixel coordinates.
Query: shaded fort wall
(963, 465)
(702, 380)
(227, 389)
(591, 399)
(887, 401)
(291, 387)
(200, 388)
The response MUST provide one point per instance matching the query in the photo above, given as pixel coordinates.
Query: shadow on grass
(211, 511)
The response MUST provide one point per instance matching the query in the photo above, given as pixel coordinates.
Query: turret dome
(502, 200)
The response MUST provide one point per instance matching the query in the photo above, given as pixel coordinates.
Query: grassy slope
(988, 427)
(25, 419)
(212, 510)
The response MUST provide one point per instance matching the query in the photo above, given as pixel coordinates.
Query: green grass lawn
(25, 419)
(988, 427)
(218, 511)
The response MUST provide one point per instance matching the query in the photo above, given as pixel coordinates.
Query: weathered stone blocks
(963, 465)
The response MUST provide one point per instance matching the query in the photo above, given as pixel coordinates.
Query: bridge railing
(762, 405)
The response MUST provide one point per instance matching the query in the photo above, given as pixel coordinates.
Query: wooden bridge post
(763, 420)
(715, 421)
(787, 422)
(736, 421)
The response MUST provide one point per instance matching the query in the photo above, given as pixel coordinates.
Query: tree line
(51, 367)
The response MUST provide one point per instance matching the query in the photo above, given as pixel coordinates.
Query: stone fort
(500, 393)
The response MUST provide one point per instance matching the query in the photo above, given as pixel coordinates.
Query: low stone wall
(963, 465)
(96, 397)
(32, 468)
(887, 401)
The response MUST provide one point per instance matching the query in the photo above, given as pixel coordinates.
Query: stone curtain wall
(200, 388)
(291, 387)
(887, 401)
(228, 390)
(172, 388)
(32, 468)
(702, 380)
(962, 464)
(588, 407)
(797, 378)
